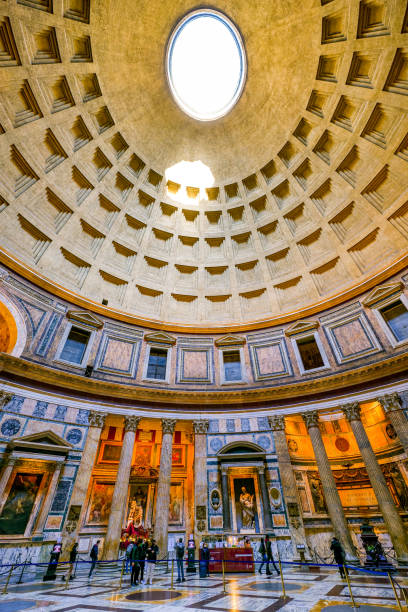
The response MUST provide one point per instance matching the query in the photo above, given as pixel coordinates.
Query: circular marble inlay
(10, 427)
(347, 607)
(206, 64)
(274, 586)
(215, 444)
(74, 436)
(153, 595)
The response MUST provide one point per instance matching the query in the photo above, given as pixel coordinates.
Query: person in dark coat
(205, 555)
(142, 558)
(262, 552)
(339, 556)
(94, 557)
(134, 577)
(269, 557)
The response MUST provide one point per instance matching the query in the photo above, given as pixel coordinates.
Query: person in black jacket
(134, 577)
(205, 555)
(94, 557)
(262, 552)
(270, 559)
(152, 551)
(142, 557)
(339, 556)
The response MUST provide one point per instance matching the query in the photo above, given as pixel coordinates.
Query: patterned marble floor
(306, 591)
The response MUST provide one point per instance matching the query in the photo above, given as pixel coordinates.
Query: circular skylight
(206, 65)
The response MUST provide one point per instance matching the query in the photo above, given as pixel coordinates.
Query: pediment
(300, 327)
(382, 292)
(83, 316)
(160, 337)
(230, 341)
(48, 441)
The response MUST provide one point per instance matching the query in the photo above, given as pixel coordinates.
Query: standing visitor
(205, 555)
(142, 557)
(339, 556)
(152, 551)
(94, 557)
(264, 556)
(269, 557)
(134, 577)
(179, 548)
(128, 557)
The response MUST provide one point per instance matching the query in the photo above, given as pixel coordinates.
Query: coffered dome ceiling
(308, 203)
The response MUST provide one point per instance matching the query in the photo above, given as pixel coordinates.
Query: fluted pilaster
(161, 522)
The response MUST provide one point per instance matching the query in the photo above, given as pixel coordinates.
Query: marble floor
(307, 590)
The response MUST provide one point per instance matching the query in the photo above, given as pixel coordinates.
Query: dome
(292, 201)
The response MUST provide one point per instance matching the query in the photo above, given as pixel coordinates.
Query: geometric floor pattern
(317, 590)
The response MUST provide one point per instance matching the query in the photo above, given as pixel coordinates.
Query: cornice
(54, 288)
(91, 387)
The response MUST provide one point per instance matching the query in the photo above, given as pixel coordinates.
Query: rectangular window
(310, 353)
(156, 367)
(232, 365)
(75, 345)
(396, 317)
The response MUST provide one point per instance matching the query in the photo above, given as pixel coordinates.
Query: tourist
(205, 555)
(179, 548)
(142, 557)
(264, 556)
(128, 555)
(152, 551)
(134, 577)
(339, 556)
(269, 557)
(94, 557)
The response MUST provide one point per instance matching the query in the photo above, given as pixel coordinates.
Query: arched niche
(13, 332)
(241, 450)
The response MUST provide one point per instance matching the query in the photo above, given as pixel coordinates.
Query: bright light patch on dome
(206, 65)
(193, 173)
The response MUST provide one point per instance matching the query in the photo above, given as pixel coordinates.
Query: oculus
(206, 64)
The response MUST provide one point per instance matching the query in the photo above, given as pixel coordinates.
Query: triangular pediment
(46, 441)
(160, 337)
(83, 316)
(382, 292)
(301, 326)
(230, 341)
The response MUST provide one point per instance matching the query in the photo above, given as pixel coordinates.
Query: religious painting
(110, 453)
(137, 505)
(142, 455)
(246, 511)
(100, 504)
(19, 504)
(53, 522)
(178, 458)
(176, 507)
(396, 484)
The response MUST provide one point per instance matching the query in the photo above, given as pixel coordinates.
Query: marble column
(161, 522)
(200, 478)
(72, 527)
(391, 404)
(49, 497)
(226, 513)
(388, 510)
(334, 507)
(8, 466)
(289, 489)
(120, 492)
(265, 500)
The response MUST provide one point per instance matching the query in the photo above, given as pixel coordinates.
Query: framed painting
(100, 503)
(110, 452)
(178, 458)
(137, 505)
(245, 504)
(19, 504)
(142, 455)
(176, 506)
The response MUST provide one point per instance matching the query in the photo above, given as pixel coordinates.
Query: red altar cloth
(236, 560)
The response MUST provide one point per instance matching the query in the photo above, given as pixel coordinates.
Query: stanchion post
(122, 571)
(223, 570)
(281, 574)
(355, 605)
(20, 580)
(395, 592)
(68, 577)
(4, 591)
(172, 573)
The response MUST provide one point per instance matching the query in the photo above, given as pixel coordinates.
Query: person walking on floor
(269, 557)
(205, 555)
(179, 548)
(339, 556)
(134, 577)
(94, 557)
(142, 557)
(262, 552)
(152, 551)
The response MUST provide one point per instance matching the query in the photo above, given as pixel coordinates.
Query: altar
(235, 560)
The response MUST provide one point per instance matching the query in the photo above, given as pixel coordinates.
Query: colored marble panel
(352, 338)
(118, 355)
(195, 364)
(269, 359)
